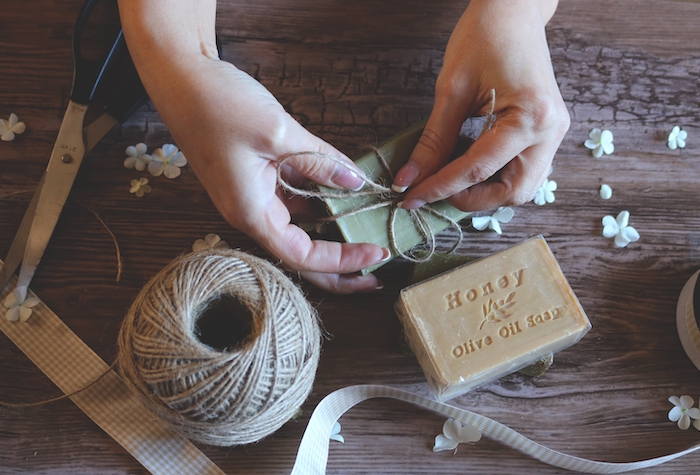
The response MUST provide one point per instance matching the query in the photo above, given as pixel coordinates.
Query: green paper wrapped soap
(373, 225)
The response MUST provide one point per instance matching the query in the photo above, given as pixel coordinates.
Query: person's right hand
(233, 133)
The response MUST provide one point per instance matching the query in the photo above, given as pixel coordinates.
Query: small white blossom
(167, 161)
(683, 411)
(18, 306)
(545, 194)
(140, 187)
(335, 433)
(619, 229)
(8, 128)
(605, 191)
(137, 157)
(600, 142)
(455, 433)
(676, 139)
(502, 215)
(210, 241)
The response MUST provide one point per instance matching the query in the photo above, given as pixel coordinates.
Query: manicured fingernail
(379, 286)
(386, 254)
(410, 204)
(405, 177)
(349, 179)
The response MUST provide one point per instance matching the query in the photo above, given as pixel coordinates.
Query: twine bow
(384, 197)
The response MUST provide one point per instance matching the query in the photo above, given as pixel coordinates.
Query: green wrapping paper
(373, 225)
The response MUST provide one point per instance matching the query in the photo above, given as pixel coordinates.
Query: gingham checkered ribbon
(72, 365)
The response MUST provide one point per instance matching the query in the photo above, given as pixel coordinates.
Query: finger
(298, 251)
(344, 283)
(489, 154)
(514, 185)
(434, 147)
(319, 161)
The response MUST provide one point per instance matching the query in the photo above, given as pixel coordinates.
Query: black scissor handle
(129, 94)
(87, 74)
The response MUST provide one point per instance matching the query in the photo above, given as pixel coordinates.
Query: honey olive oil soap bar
(483, 320)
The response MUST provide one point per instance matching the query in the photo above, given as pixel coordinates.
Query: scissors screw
(66, 158)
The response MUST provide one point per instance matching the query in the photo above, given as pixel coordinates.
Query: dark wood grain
(356, 73)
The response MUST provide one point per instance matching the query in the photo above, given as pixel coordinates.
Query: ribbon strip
(62, 356)
(72, 365)
(313, 451)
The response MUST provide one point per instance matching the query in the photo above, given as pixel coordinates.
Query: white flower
(600, 142)
(167, 160)
(210, 241)
(502, 215)
(137, 157)
(619, 229)
(18, 306)
(140, 187)
(605, 191)
(683, 412)
(8, 128)
(545, 194)
(335, 433)
(455, 433)
(676, 139)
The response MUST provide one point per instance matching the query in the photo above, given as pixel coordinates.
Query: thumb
(321, 162)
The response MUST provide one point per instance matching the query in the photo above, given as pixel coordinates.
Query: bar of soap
(373, 226)
(483, 320)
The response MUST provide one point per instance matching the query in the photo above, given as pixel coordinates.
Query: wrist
(543, 8)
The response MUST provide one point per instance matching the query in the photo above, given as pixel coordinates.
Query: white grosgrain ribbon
(71, 365)
(313, 451)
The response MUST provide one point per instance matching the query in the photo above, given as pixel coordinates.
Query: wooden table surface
(356, 73)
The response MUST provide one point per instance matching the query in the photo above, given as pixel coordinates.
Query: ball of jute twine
(219, 397)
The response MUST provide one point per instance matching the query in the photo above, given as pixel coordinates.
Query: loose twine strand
(384, 197)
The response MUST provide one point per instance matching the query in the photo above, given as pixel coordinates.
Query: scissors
(74, 141)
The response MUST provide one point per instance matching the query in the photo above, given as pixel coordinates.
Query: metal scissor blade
(93, 133)
(16, 253)
(97, 130)
(66, 157)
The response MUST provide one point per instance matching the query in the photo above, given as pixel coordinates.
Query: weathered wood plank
(357, 73)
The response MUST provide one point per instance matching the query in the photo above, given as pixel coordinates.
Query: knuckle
(478, 173)
(275, 136)
(546, 113)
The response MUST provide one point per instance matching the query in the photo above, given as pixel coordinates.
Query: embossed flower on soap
(494, 310)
